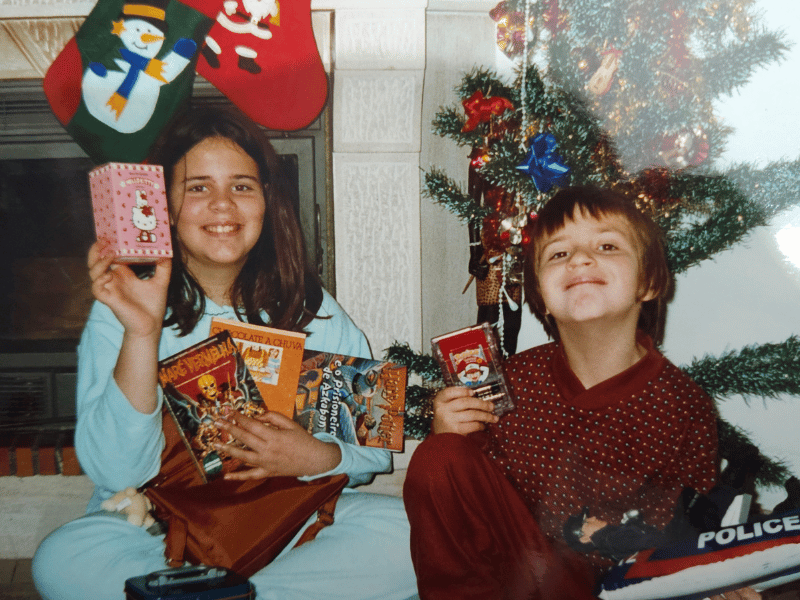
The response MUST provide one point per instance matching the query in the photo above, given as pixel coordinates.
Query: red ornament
(480, 159)
(497, 199)
(555, 20)
(687, 148)
(490, 234)
(481, 110)
(655, 184)
(511, 30)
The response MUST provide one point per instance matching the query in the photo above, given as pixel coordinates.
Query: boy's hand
(458, 410)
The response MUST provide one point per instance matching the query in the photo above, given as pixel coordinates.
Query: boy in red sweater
(602, 420)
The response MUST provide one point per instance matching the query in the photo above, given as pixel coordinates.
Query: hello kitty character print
(144, 218)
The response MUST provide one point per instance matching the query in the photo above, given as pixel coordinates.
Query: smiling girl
(238, 255)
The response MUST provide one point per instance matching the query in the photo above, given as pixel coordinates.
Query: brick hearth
(44, 453)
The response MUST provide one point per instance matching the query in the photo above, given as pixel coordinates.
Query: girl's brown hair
(654, 274)
(276, 277)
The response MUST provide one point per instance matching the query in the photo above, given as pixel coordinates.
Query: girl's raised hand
(458, 410)
(139, 304)
(275, 446)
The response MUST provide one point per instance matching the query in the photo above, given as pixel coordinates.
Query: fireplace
(46, 217)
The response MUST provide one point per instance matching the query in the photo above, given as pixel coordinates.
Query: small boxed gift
(130, 211)
(471, 357)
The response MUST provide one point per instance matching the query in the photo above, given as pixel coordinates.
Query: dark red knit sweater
(632, 441)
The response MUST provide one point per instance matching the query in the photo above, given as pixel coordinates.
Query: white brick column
(379, 61)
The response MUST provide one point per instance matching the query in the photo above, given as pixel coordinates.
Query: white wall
(460, 35)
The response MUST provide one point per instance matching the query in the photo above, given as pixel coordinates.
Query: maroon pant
(472, 535)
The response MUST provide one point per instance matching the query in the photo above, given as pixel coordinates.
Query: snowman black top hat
(152, 11)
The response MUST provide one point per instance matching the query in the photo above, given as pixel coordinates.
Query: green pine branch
(733, 65)
(417, 423)
(741, 453)
(447, 193)
(776, 187)
(730, 217)
(485, 80)
(448, 122)
(420, 364)
(760, 370)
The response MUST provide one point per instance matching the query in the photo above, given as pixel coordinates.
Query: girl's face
(217, 205)
(589, 271)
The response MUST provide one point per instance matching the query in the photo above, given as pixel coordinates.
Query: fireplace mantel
(375, 56)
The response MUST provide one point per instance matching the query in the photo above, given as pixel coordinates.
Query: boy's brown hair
(654, 274)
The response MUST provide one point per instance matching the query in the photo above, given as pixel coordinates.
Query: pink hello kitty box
(130, 211)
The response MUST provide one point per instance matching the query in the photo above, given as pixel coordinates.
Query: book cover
(273, 357)
(202, 383)
(359, 400)
(471, 357)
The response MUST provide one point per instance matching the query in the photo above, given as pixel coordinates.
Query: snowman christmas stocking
(262, 55)
(123, 76)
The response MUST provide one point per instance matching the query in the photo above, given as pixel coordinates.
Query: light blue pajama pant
(363, 555)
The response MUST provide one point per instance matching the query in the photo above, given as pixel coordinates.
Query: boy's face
(588, 271)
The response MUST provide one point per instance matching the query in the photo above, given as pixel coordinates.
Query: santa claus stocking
(121, 78)
(262, 55)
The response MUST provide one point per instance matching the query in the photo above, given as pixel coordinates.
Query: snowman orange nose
(149, 38)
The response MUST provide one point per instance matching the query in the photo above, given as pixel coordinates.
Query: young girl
(602, 420)
(238, 254)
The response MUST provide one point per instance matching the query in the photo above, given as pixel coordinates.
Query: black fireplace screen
(46, 229)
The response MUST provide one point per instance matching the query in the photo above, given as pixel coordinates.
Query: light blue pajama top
(120, 447)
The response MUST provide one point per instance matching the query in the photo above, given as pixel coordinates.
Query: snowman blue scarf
(138, 64)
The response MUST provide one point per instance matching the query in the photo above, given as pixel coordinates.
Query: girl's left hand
(276, 446)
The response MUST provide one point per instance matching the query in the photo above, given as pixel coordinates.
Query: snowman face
(142, 37)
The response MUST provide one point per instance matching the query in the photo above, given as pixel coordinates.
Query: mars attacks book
(273, 357)
(202, 383)
(358, 400)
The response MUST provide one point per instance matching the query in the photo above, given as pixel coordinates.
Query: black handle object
(182, 575)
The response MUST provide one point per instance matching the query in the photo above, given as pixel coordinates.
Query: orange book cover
(273, 357)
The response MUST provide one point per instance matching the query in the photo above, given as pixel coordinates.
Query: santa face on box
(472, 371)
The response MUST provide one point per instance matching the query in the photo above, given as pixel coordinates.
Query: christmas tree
(621, 94)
